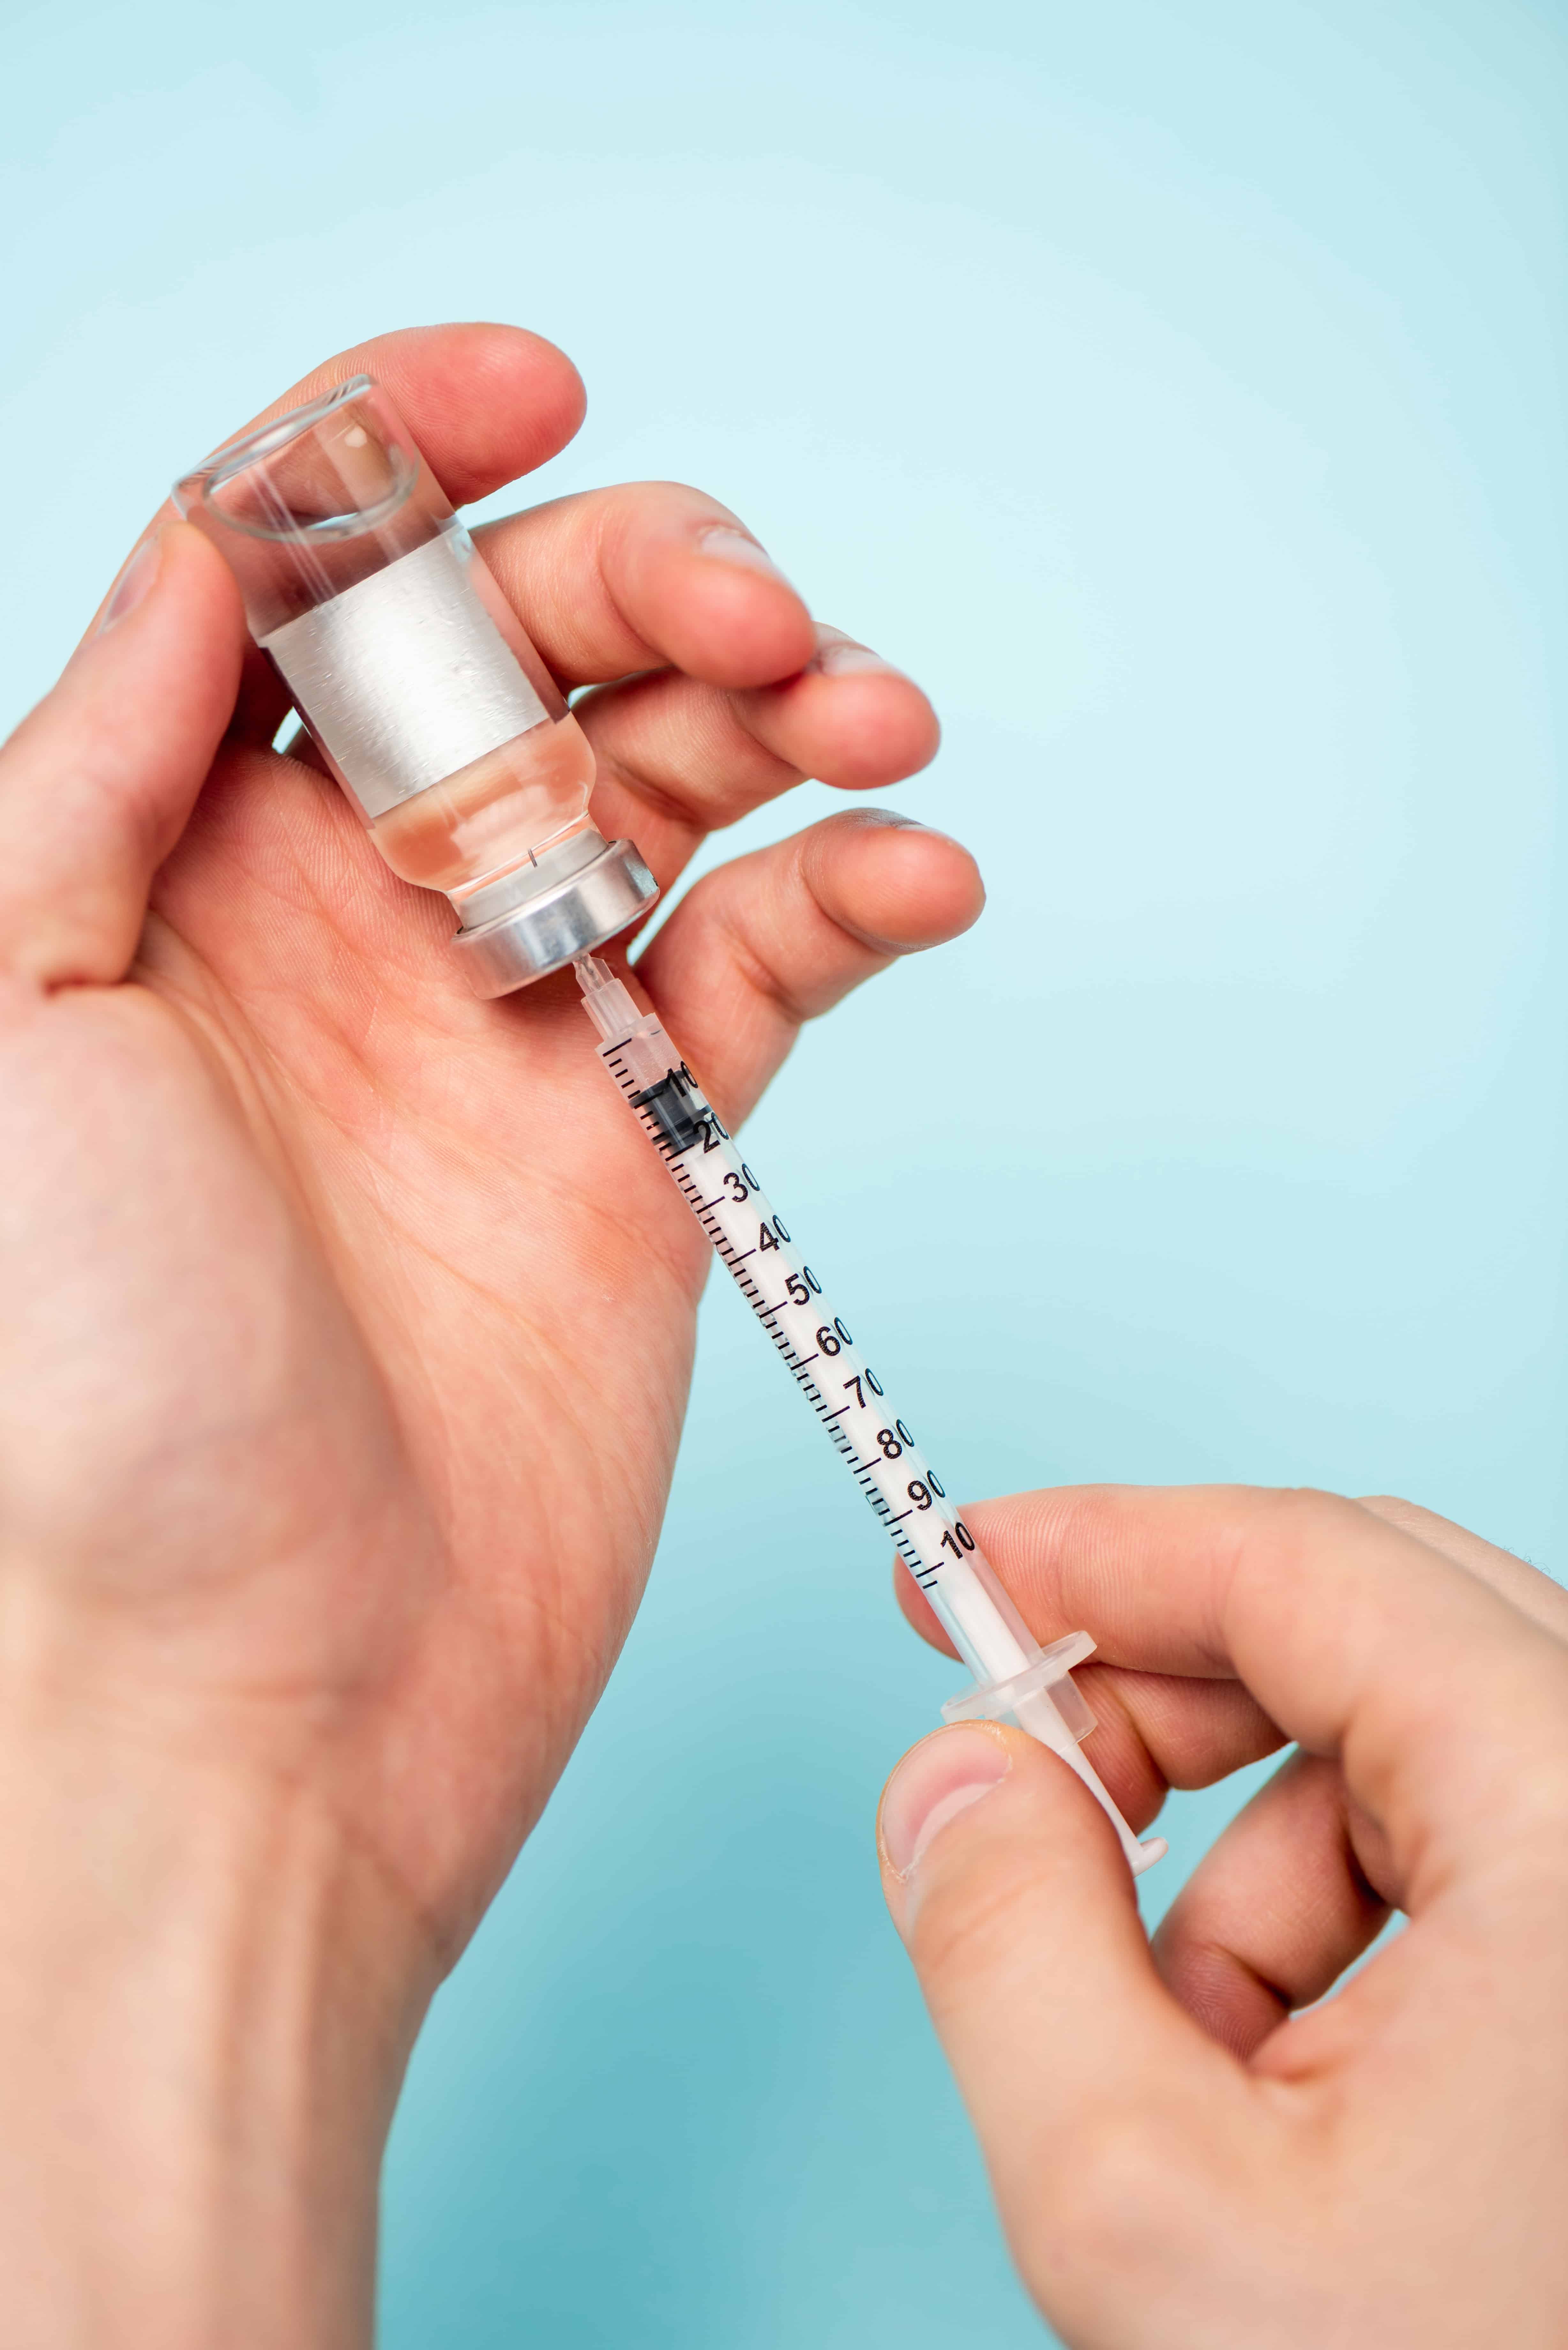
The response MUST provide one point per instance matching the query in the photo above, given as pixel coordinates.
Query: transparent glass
(308, 506)
(492, 816)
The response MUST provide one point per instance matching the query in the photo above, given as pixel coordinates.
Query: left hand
(347, 1335)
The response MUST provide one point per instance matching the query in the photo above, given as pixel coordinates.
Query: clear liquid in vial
(476, 824)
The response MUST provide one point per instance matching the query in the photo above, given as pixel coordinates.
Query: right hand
(1182, 2159)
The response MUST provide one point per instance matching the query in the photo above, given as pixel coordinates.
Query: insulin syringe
(1015, 1677)
(432, 708)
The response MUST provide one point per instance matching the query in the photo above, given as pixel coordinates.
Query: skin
(1188, 2149)
(338, 1410)
(337, 1417)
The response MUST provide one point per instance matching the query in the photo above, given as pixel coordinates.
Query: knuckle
(1537, 1754)
(631, 504)
(1293, 1526)
(1311, 1508)
(970, 1920)
(1109, 2199)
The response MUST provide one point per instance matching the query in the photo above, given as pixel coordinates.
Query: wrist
(207, 1995)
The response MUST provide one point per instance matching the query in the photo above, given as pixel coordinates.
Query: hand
(1182, 2159)
(348, 1332)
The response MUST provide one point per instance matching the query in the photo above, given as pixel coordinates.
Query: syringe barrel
(973, 1609)
(1016, 1680)
(417, 681)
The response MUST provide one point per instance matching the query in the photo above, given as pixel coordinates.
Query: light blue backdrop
(1175, 387)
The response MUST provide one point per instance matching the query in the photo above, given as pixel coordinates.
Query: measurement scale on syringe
(1014, 1675)
(428, 704)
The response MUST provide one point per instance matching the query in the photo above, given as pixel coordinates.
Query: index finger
(612, 582)
(1444, 1703)
(487, 403)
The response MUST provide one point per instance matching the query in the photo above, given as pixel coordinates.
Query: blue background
(1175, 387)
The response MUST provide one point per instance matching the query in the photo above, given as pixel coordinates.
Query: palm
(393, 1310)
(488, 1243)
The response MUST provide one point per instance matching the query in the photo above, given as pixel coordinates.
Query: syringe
(1015, 1677)
(433, 710)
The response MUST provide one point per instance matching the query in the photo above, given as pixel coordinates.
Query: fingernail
(837, 655)
(733, 546)
(934, 1783)
(134, 583)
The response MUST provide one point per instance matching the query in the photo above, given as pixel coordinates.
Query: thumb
(97, 784)
(1092, 2092)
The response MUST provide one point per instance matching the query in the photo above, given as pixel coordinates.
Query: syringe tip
(604, 1000)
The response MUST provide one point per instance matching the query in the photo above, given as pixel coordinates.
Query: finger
(1274, 1912)
(1359, 1641)
(640, 583)
(676, 758)
(775, 938)
(849, 718)
(97, 784)
(1535, 1594)
(1152, 1731)
(645, 574)
(485, 403)
(1092, 2093)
